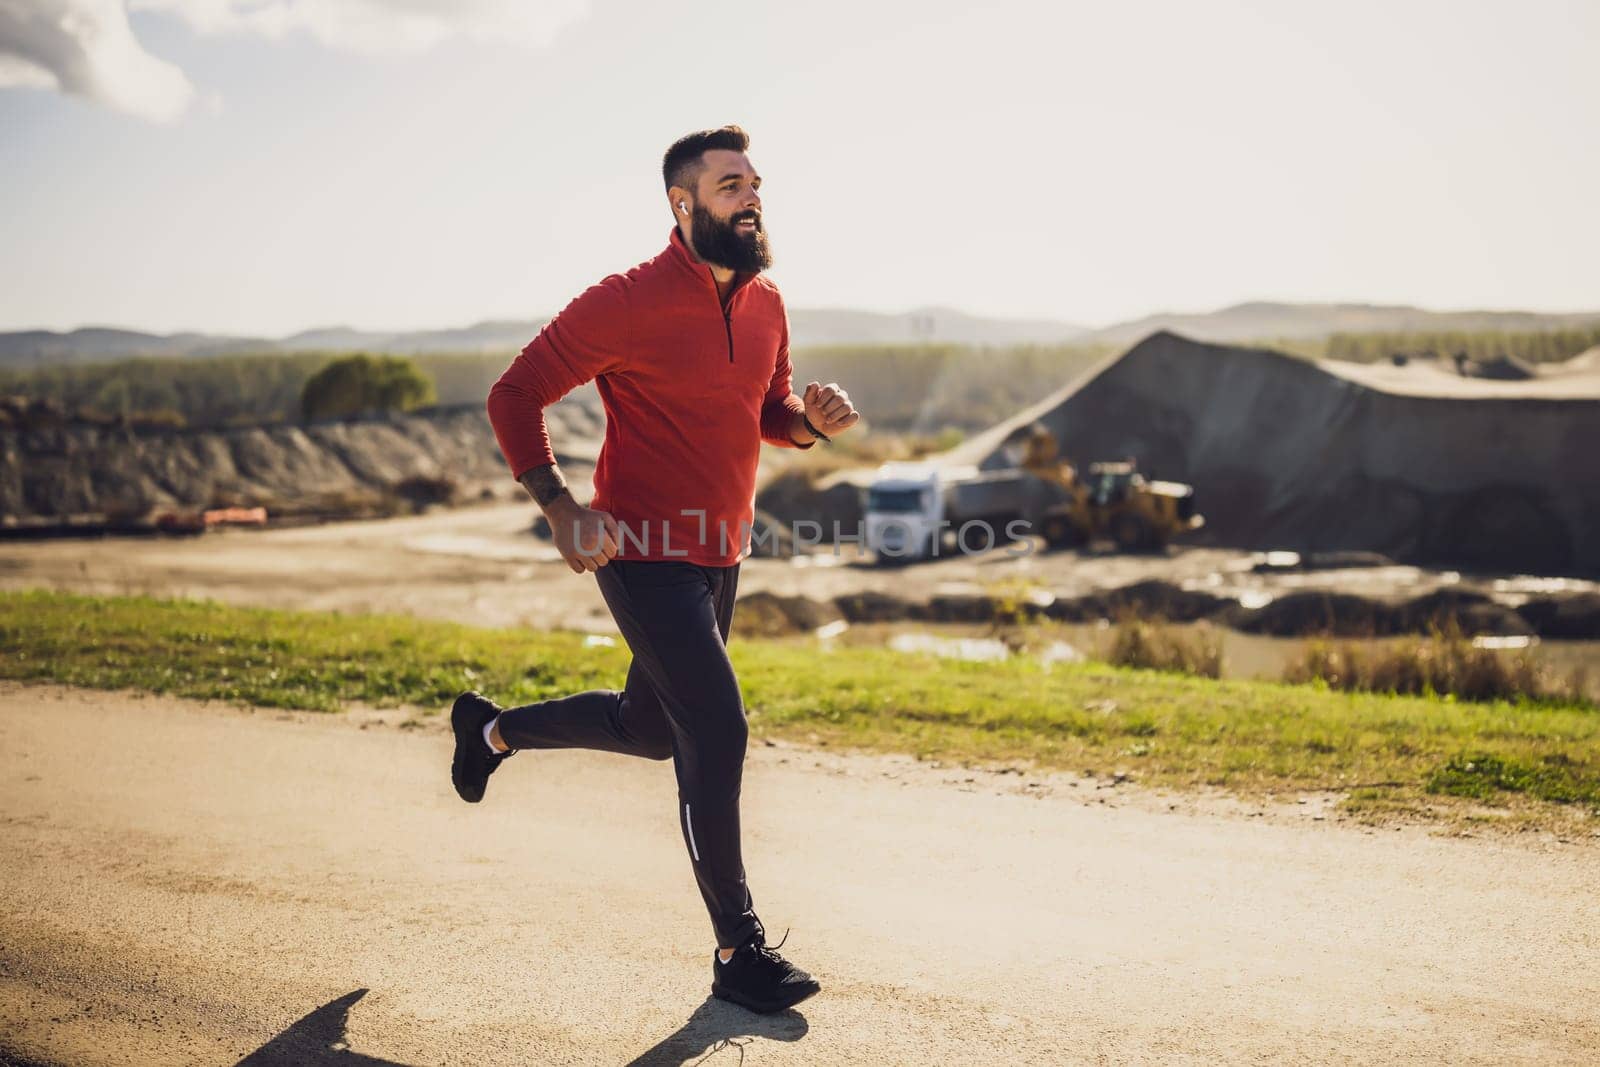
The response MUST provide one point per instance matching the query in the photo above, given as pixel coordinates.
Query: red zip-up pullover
(690, 388)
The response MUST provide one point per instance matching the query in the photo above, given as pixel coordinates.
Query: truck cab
(904, 509)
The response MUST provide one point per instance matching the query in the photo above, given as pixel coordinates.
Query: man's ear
(681, 203)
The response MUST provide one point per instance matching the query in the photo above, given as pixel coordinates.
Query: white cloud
(378, 26)
(86, 48)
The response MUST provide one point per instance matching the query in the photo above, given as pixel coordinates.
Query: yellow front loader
(1114, 502)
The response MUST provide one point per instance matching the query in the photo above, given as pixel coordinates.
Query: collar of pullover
(678, 250)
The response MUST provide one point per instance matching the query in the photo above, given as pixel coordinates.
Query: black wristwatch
(812, 430)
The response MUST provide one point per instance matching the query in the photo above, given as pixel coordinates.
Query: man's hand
(587, 539)
(828, 408)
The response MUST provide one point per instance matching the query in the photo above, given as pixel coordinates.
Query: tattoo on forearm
(544, 483)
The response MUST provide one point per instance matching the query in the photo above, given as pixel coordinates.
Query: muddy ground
(479, 565)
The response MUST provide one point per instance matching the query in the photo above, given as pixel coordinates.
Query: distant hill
(1264, 321)
(94, 344)
(813, 327)
(809, 327)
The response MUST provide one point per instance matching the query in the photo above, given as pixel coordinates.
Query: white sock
(486, 728)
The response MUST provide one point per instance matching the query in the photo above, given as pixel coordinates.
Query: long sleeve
(780, 405)
(588, 338)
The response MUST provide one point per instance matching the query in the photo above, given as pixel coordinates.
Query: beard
(721, 242)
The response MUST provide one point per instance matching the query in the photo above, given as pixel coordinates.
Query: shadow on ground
(8, 1058)
(715, 1030)
(316, 1039)
(719, 1031)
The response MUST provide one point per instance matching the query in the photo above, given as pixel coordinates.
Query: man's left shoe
(474, 761)
(757, 978)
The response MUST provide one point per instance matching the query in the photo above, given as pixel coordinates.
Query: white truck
(905, 505)
(911, 506)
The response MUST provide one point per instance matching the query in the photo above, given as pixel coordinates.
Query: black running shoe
(760, 979)
(474, 761)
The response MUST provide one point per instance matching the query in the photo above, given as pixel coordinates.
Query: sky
(264, 166)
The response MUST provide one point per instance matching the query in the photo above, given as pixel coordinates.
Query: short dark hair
(681, 166)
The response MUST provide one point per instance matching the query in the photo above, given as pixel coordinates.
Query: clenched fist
(587, 539)
(828, 408)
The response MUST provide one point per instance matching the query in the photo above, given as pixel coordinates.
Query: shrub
(1156, 644)
(1483, 776)
(1445, 662)
(363, 384)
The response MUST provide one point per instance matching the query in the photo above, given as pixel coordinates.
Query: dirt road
(187, 883)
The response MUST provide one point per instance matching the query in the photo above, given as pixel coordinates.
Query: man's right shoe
(757, 978)
(474, 761)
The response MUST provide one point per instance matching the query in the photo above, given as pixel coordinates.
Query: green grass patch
(281, 659)
(1390, 753)
(1483, 776)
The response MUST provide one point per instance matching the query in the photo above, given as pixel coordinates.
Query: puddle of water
(1491, 641)
(982, 649)
(1061, 652)
(821, 559)
(1041, 598)
(958, 589)
(1523, 583)
(979, 649)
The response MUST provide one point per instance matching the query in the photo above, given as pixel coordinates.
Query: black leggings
(682, 701)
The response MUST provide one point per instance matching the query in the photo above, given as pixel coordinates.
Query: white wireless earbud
(682, 207)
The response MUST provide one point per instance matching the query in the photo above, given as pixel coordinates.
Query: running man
(690, 353)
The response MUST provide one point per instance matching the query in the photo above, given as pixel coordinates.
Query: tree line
(251, 390)
(1543, 346)
(915, 388)
(919, 388)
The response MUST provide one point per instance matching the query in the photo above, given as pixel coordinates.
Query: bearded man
(690, 354)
